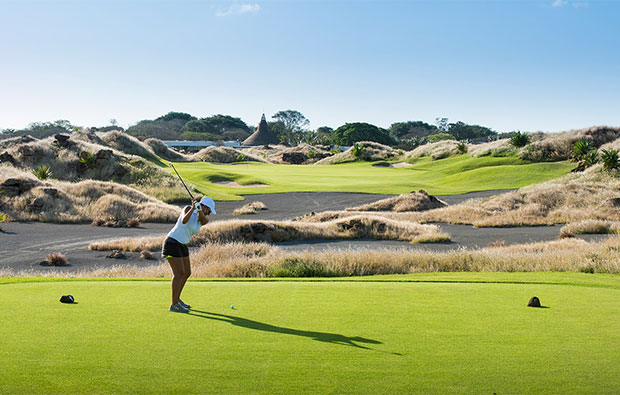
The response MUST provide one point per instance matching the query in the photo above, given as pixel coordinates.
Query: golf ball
(232, 306)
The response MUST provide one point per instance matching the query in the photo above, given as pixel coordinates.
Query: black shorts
(173, 248)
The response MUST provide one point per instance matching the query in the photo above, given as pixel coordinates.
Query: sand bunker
(234, 184)
(401, 164)
(396, 165)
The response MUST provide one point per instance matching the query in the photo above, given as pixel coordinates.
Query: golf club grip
(178, 175)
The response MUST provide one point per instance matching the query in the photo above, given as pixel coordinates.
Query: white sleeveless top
(183, 232)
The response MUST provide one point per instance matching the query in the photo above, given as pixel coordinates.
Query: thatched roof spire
(262, 135)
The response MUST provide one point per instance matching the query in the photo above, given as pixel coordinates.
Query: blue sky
(511, 65)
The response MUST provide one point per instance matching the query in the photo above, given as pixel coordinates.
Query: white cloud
(575, 4)
(238, 9)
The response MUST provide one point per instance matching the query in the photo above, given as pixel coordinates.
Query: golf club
(175, 170)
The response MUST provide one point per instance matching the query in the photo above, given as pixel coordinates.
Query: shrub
(610, 159)
(581, 148)
(42, 172)
(520, 139)
(241, 158)
(295, 267)
(98, 221)
(461, 147)
(57, 259)
(133, 222)
(433, 138)
(250, 208)
(89, 161)
(591, 158)
(358, 151)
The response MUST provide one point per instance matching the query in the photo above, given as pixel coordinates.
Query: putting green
(434, 333)
(457, 174)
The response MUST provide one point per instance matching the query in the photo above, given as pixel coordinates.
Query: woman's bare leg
(187, 271)
(178, 277)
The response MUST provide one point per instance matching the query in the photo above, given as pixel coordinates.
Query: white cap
(207, 201)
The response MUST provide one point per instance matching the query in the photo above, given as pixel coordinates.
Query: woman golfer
(175, 247)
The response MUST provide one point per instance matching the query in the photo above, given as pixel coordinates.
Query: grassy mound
(364, 150)
(409, 334)
(414, 201)
(559, 146)
(23, 197)
(439, 150)
(215, 154)
(104, 156)
(250, 208)
(574, 197)
(162, 150)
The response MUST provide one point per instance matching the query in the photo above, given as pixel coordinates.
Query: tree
(350, 133)
(410, 129)
(463, 131)
(160, 129)
(216, 125)
(519, 139)
(324, 135)
(294, 123)
(442, 124)
(183, 116)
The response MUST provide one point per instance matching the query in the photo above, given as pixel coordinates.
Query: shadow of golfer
(325, 337)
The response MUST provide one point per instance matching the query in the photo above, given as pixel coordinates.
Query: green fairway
(426, 333)
(457, 174)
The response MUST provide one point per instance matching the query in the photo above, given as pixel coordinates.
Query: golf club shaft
(187, 189)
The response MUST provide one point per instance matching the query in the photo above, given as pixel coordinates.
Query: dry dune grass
(250, 208)
(590, 226)
(263, 260)
(164, 152)
(494, 148)
(414, 201)
(559, 146)
(275, 231)
(225, 155)
(59, 201)
(126, 143)
(371, 151)
(112, 163)
(439, 150)
(575, 197)
(311, 154)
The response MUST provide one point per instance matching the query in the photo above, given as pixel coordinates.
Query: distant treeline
(289, 126)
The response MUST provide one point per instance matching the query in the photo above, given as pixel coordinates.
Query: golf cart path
(23, 245)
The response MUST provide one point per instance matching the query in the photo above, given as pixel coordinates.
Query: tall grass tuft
(89, 160)
(610, 159)
(57, 259)
(42, 172)
(250, 208)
